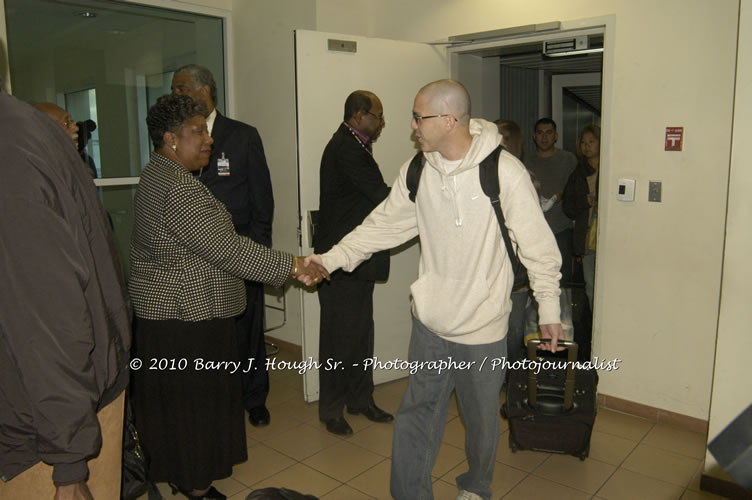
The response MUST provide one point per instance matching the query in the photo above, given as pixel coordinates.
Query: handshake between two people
(309, 270)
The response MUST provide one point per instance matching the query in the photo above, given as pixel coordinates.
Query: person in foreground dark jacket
(64, 316)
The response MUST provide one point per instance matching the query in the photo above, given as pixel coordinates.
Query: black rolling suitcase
(554, 410)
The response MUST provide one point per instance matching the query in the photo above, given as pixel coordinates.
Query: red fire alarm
(674, 138)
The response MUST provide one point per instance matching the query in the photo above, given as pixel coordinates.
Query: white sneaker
(468, 495)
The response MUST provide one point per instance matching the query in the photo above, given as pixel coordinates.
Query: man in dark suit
(351, 186)
(238, 176)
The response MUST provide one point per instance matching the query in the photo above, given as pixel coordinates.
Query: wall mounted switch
(654, 190)
(625, 190)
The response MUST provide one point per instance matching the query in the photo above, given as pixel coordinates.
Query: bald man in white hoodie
(461, 299)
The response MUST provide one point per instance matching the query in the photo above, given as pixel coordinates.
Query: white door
(394, 71)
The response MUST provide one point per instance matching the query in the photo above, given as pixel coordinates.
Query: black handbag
(135, 470)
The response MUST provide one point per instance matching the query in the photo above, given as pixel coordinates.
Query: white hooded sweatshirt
(464, 276)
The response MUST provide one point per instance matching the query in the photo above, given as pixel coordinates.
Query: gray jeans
(422, 416)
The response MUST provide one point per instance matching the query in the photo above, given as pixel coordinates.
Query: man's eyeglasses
(419, 118)
(378, 117)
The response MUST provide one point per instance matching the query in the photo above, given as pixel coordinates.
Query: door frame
(480, 93)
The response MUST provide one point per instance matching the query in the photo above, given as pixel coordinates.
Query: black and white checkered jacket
(187, 261)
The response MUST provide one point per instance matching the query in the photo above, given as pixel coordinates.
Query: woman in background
(580, 202)
(187, 272)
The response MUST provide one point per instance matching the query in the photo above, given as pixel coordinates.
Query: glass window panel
(110, 65)
(118, 202)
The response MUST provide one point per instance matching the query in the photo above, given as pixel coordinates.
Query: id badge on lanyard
(223, 166)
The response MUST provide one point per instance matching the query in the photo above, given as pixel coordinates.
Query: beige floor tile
(345, 492)
(242, 495)
(661, 464)
(262, 462)
(343, 461)
(694, 483)
(448, 458)
(277, 425)
(700, 495)
(375, 481)
(505, 478)
(279, 375)
(621, 424)
(657, 461)
(393, 388)
(610, 448)
(666, 437)
(503, 425)
(376, 438)
(302, 441)
(389, 396)
(525, 460)
(229, 486)
(627, 485)
(537, 487)
(284, 391)
(454, 433)
(163, 488)
(587, 475)
(296, 409)
(453, 408)
(444, 491)
(302, 479)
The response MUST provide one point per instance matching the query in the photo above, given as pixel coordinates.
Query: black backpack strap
(412, 179)
(489, 181)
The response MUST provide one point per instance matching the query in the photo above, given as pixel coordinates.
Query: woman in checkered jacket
(187, 272)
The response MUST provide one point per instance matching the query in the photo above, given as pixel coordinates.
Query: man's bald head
(61, 117)
(449, 97)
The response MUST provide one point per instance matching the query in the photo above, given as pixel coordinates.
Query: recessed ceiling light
(88, 14)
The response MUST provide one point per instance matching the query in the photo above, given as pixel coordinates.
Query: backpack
(489, 180)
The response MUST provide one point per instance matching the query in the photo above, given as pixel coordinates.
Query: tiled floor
(630, 458)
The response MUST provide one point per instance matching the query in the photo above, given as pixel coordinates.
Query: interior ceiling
(62, 24)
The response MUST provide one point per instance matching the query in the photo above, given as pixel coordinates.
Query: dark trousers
(250, 331)
(564, 240)
(346, 335)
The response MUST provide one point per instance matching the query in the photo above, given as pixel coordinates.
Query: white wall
(659, 270)
(264, 81)
(732, 385)
(659, 264)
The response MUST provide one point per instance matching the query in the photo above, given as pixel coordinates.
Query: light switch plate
(625, 190)
(654, 190)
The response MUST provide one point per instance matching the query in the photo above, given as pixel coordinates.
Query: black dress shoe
(372, 413)
(338, 426)
(259, 416)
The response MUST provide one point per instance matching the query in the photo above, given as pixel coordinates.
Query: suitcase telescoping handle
(532, 383)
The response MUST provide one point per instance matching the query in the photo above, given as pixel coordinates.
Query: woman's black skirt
(189, 413)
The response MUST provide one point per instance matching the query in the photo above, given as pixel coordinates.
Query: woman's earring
(174, 147)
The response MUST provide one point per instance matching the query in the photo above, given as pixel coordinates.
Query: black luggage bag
(554, 410)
